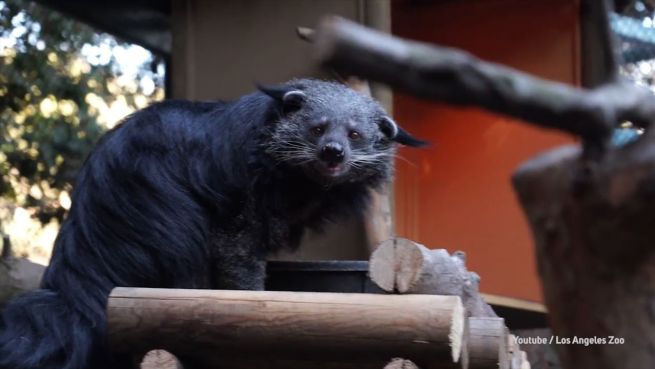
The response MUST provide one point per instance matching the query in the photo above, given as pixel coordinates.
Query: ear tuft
(294, 98)
(406, 139)
(289, 98)
(393, 132)
(389, 127)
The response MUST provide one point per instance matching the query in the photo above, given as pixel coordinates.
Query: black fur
(195, 195)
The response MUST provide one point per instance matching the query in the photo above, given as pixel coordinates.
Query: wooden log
(254, 362)
(487, 344)
(287, 327)
(403, 266)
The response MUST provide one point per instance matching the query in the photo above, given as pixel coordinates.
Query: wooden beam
(301, 327)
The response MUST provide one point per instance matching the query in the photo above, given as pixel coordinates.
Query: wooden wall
(457, 194)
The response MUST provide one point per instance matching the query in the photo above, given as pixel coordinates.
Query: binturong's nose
(332, 153)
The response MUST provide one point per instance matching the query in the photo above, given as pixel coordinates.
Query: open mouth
(332, 169)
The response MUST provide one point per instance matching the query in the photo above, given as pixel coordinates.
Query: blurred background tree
(62, 85)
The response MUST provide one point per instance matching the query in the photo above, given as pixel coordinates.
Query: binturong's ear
(393, 132)
(289, 98)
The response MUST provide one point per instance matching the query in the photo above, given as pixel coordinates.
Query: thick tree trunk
(594, 232)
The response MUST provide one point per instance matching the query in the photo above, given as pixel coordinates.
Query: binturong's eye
(318, 130)
(354, 135)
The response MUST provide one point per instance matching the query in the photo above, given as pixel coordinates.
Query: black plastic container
(320, 276)
(352, 276)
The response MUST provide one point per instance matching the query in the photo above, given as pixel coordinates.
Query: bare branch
(455, 77)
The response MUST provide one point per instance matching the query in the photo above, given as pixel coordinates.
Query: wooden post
(403, 266)
(377, 219)
(288, 329)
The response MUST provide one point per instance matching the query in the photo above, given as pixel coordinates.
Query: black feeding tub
(352, 276)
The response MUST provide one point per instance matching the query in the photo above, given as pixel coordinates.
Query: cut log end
(399, 363)
(160, 359)
(409, 259)
(382, 266)
(395, 266)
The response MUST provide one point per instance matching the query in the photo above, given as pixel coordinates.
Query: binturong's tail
(38, 330)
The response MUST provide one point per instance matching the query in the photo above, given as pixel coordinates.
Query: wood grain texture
(403, 266)
(487, 344)
(288, 326)
(593, 232)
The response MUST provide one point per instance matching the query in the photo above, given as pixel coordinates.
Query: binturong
(196, 195)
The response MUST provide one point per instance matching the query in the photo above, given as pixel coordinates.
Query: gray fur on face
(333, 115)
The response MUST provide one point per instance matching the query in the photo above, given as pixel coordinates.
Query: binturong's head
(333, 133)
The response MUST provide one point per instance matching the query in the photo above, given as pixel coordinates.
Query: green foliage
(49, 96)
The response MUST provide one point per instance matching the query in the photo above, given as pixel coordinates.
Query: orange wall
(457, 193)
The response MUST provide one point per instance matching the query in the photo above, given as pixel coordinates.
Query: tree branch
(456, 77)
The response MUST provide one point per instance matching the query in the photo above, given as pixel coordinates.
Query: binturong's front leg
(238, 263)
